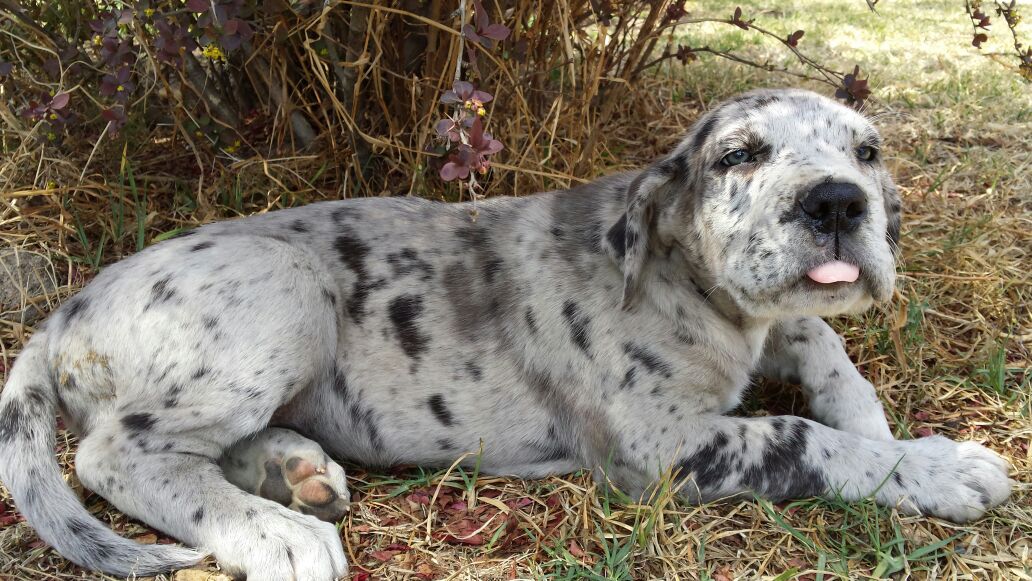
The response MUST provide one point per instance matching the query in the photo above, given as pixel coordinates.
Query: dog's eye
(866, 153)
(736, 157)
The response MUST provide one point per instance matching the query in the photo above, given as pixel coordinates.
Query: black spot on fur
(340, 384)
(704, 132)
(210, 322)
(617, 237)
(797, 338)
(138, 422)
(440, 410)
(474, 370)
(404, 312)
(161, 292)
(445, 444)
(531, 323)
(353, 252)
(834, 373)
(299, 226)
(651, 361)
(200, 372)
(783, 471)
(202, 246)
(578, 323)
(628, 380)
(406, 262)
(490, 267)
(74, 308)
(14, 420)
(709, 465)
(198, 515)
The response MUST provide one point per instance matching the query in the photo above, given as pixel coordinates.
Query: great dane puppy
(609, 326)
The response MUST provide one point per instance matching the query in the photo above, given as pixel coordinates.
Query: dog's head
(780, 197)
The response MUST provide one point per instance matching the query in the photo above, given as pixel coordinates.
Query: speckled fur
(610, 326)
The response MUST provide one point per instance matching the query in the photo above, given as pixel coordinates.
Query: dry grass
(951, 355)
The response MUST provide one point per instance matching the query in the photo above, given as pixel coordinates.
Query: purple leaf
(452, 170)
(197, 5)
(493, 146)
(5, 69)
(471, 33)
(60, 101)
(496, 32)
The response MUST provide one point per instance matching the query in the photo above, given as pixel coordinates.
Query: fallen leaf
(424, 570)
(384, 556)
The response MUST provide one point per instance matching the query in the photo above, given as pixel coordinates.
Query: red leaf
(360, 576)
(979, 39)
(924, 432)
(575, 550)
(384, 556)
(419, 496)
(921, 416)
(793, 39)
(198, 5)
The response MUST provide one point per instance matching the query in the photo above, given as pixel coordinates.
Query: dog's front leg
(809, 352)
(791, 457)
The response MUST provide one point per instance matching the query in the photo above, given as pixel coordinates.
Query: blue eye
(866, 153)
(736, 157)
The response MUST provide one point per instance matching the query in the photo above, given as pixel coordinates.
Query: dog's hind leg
(210, 359)
(185, 494)
(286, 467)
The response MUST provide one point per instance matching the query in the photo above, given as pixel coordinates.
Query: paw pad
(307, 487)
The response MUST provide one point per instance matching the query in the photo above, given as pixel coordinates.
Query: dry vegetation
(951, 355)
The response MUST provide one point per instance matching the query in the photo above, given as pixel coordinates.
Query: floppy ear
(628, 241)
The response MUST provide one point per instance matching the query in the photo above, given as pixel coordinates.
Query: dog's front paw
(957, 481)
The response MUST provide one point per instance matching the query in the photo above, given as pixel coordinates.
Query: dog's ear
(629, 241)
(654, 191)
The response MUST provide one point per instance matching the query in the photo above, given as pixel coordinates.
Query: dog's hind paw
(285, 467)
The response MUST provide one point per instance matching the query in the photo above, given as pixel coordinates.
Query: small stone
(200, 575)
(28, 285)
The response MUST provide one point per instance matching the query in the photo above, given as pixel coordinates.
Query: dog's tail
(30, 471)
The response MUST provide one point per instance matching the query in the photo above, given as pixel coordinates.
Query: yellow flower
(119, 88)
(148, 12)
(97, 40)
(213, 52)
(53, 116)
(481, 111)
(51, 135)
(51, 184)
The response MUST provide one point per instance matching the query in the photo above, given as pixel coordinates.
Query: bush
(399, 93)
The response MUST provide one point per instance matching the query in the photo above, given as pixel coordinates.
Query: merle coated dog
(211, 378)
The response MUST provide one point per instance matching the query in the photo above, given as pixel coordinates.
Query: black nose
(835, 207)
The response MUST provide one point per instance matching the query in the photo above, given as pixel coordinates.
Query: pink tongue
(835, 271)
